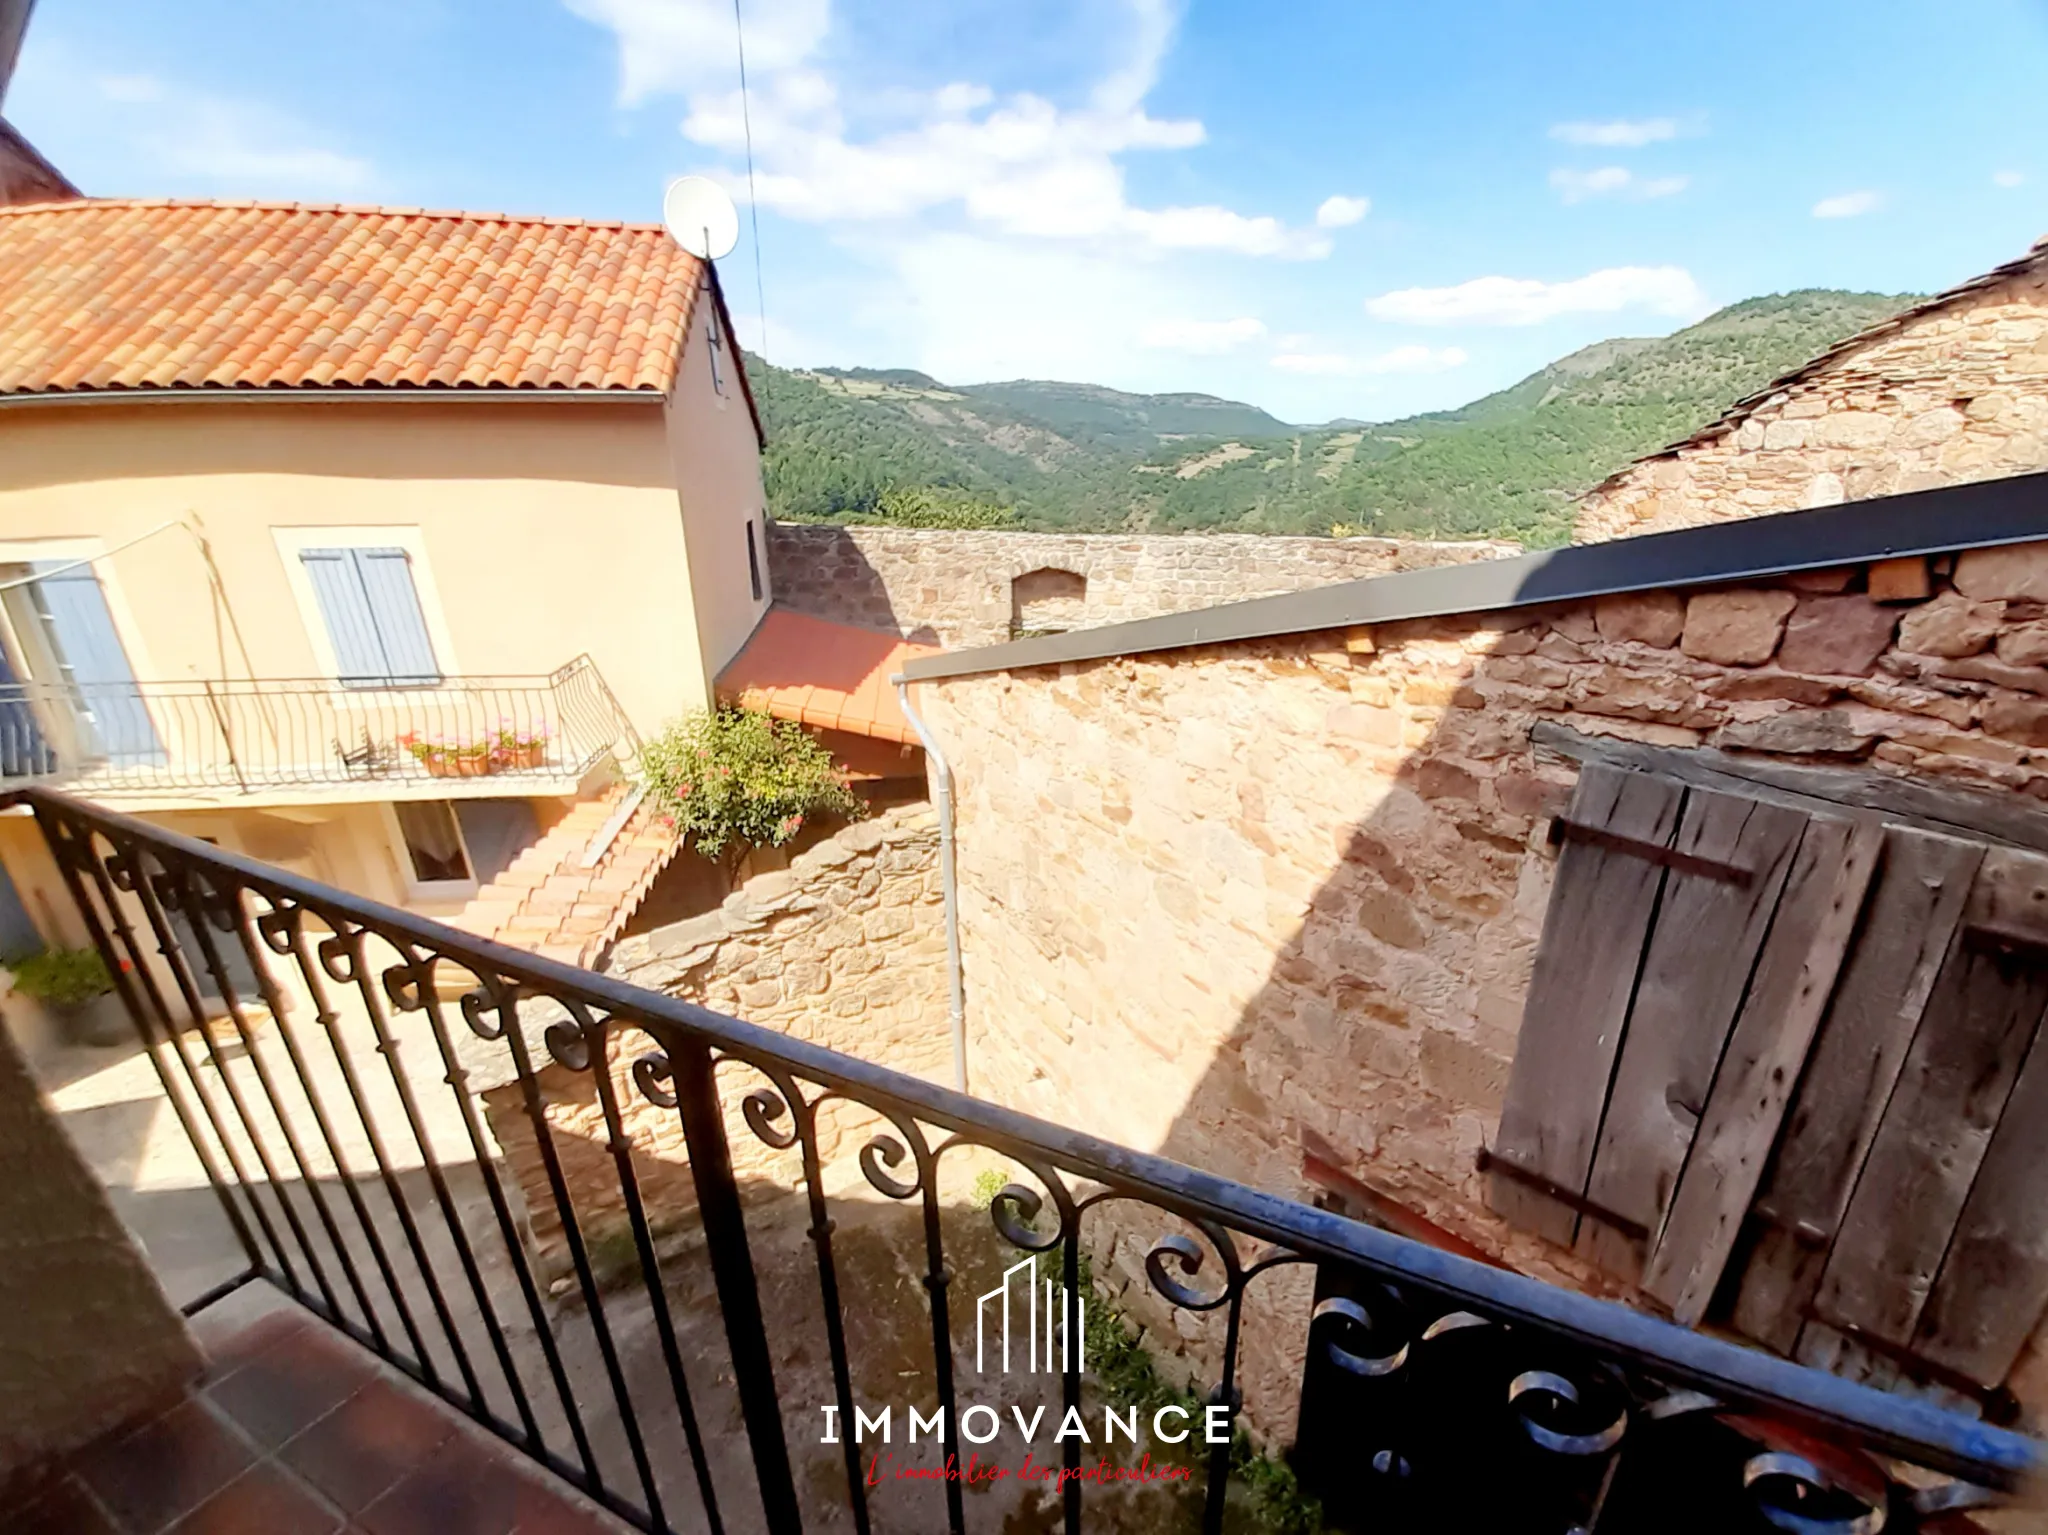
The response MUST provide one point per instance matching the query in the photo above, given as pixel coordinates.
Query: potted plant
(520, 747)
(76, 988)
(451, 759)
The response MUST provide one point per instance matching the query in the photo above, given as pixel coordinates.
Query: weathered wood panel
(1914, 909)
(1601, 906)
(1795, 976)
(1977, 1029)
(1994, 1280)
(1694, 973)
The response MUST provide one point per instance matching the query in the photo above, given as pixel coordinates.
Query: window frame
(419, 890)
(294, 542)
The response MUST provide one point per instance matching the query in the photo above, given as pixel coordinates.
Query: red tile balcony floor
(294, 1430)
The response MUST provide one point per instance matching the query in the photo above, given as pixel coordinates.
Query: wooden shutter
(1683, 926)
(395, 609)
(80, 629)
(1796, 1058)
(1942, 1251)
(373, 615)
(1601, 905)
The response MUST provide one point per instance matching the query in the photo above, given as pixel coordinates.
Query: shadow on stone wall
(823, 572)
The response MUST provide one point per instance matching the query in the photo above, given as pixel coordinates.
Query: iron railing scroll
(1439, 1393)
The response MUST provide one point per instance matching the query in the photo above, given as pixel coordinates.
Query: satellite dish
(700, 217)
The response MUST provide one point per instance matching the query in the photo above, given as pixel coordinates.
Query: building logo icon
(1064, 1334)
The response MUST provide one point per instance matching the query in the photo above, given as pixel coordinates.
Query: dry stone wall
(845, 948)
(958, 586)
(1954, 395)
(1292, 888)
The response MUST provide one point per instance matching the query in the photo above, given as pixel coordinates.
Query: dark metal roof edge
(1939, 521)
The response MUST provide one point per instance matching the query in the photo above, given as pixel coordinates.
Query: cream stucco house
(363, 541)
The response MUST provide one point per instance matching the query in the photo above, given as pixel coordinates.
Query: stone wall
(1293, 887)
(957, 586)
(845, 948)
(1956, 394)
(87, 1339)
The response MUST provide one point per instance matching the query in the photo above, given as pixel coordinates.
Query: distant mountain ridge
(854, 444)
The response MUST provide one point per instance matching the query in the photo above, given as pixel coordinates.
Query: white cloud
(1402, 359)
(2008, 179)
(1339, 211)
(235, 146)
(1848, 205)
(1206, 338)
(1667, 290)
(1575, 186)
(1621, 133)
(1017, 165)
(685, 45)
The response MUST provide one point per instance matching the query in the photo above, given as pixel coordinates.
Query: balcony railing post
(732, 1268)
(227, 735)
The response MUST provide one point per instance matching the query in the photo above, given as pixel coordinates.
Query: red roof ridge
(363, 210)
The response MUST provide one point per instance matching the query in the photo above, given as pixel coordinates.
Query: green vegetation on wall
(896, 446)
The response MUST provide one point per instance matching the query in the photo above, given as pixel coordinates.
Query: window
(66, 632)
(753, 561)
(373, 616)
(1784, 1058)
(433, 842)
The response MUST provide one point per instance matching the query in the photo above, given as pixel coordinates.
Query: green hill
(862, 444)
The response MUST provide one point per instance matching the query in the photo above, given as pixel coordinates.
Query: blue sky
(1328, 209)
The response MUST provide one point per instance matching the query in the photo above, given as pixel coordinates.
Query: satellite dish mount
(700, 217)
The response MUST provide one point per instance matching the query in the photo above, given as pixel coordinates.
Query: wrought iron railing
(1438, 1393)
(253, 735)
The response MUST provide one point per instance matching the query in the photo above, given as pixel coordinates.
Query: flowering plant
(739, 779)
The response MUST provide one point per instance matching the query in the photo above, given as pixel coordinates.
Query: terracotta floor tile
(464, 1487)
(62, 1508)
(154, 1476)
(264, 1501)
(230, 1342)
(363, 1448)
(302, 1376)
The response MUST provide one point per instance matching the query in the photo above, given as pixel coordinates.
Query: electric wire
(753, 203)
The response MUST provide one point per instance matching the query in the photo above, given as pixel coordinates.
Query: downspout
(942, 785)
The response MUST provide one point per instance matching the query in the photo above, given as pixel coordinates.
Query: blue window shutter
(81, 631)
(358, 654)
(373, 615)
(395, 609)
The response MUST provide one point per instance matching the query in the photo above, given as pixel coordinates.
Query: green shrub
(63, 977)
(739, 779)
(938, 508)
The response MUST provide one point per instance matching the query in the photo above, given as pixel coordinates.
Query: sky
(1354, 209)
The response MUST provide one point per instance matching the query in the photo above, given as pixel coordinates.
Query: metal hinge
(1493, 1162)
(1564, 830)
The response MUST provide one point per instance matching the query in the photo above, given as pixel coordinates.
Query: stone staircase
(549, 902)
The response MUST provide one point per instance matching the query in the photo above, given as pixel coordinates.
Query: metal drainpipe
(942, 781)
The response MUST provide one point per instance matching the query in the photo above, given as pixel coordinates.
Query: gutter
(942, 785)
(326, 394)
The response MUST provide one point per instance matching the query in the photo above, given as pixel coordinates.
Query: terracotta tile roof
(102, 294)
(819, 673)
(547, 901)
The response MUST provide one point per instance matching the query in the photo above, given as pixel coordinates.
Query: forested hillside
(897, 445)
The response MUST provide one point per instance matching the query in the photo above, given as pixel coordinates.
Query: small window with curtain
(373, 616)
(433, 841)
